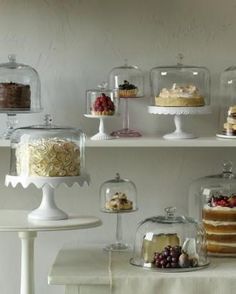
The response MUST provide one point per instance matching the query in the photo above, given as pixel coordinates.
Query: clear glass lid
(102, 101)
(227, 120)
(128, 80)
(118, 195)
(180, 85)
(213, 200)
(47, 151)
(20, 89)
(170, 242)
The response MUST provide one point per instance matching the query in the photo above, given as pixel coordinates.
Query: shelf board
(154, 142)
(160, 142)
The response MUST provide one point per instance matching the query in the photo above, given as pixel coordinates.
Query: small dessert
(229, 127)
(156, 243)
(127, 90)
(219, 220)
(48, 157)
(103, 105)
(173, 257)
(118, 202)
(14, 95)
(180, 96)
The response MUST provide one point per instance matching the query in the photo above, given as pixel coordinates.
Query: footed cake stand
(102, 134)
(126, 132)
(48, 209)
(178, 113)
(119, 245)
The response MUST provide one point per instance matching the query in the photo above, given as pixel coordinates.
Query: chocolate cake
(14, 95)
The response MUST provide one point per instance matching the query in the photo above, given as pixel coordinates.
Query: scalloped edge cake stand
(47, 209)
(178, 113)
(102, 134)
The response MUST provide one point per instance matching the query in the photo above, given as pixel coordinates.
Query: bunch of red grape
(171, 257)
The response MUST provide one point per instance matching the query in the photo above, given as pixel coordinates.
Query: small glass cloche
(19, 87)
(170, 242)
(227, 123)
(180, 85)
(47, 151)
(128, 80)
(118, 195)
(212, 199)
(102, 101)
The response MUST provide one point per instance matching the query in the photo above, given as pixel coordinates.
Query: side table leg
(27, 262)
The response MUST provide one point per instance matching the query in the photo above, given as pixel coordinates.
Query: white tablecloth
(89, 268)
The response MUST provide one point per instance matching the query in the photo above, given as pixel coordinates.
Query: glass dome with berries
(101, 101)
(170, 243)
(212, 199)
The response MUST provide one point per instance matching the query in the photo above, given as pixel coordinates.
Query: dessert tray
(48, 209)
(149, 266)
(178, 112)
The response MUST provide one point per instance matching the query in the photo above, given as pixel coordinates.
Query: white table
(16, 221)
(90, 270)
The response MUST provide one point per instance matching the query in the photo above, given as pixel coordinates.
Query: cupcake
(127, 90)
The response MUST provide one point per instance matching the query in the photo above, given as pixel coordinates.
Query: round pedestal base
(179, 135)
(101, 136)
(126, 133)
(45, 214)
(117, 247)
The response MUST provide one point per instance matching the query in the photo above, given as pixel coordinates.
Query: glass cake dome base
(126, 133)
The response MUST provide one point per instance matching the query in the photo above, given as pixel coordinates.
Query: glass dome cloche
(170, 243)
(102, 101)
(47, 151)
(212, 199)
(118, 196)
(20, 88)
(180, 85)
(128, 80)
(227, 120)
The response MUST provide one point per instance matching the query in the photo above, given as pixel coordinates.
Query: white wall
(73, 44)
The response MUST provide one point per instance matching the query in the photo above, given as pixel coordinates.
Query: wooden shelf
(154, 142)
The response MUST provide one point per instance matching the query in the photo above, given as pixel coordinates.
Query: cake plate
(119, 245)
(48, 209)
(126, 132)
(178, 113)
(102, 134)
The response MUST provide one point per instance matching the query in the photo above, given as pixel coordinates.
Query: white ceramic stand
(48, 209)
(178, 113)
(17, 221)
(102, 134)
(27, 262)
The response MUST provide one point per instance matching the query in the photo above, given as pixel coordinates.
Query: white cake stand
(178, 113)
(102, 134)
(48, 209)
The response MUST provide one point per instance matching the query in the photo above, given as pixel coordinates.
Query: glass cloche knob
(12, 58)
(170, 212)
(48, 120)
(227, 166)
(180, 58)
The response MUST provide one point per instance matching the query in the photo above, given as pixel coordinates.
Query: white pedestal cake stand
(48, 209)
(102, 134)
(178, 113)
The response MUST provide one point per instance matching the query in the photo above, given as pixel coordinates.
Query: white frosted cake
(180, 96)
(47, 157)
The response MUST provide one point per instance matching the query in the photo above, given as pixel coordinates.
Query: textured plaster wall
(73, 44)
